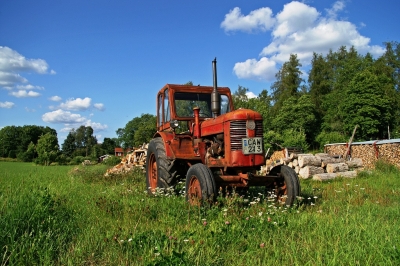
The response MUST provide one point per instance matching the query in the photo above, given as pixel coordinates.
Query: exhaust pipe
(215, 98)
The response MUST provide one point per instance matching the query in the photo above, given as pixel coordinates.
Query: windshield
(185, 102)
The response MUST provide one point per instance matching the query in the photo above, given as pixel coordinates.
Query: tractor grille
(238, 131)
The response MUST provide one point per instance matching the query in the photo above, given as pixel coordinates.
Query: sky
(68, 63)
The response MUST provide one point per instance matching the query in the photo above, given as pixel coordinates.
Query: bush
(12, 154)
(112, 160)
(63, 159)
(294, 138)
(24, 157)
(272, 141)
(330, 137)
(77, 160)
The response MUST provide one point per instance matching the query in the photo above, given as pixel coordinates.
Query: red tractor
(201, 137)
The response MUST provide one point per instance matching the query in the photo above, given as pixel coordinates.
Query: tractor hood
(216, 125)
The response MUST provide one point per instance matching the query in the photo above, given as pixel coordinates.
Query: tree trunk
(330, 160)
(308, 171)
(355, 163)
(348, 174)
(324, 176)
(309, 161)
(336, 167)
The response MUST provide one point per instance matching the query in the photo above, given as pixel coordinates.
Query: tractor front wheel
(286, 187)
(156, 166)
(200, 185)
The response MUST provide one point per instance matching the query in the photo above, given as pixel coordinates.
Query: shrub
(112, 160)
(294, 138)
(330, 137)
(77, 160)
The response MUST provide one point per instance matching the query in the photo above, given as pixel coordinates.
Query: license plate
(252, 145)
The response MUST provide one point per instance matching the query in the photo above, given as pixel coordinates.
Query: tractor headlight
(174, 124)
(251, 124)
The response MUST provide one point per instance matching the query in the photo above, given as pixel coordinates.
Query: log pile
(369, 152)
(137, 158)
(320, 166)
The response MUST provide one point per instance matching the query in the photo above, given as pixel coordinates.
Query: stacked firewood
(320, 166)
(135, 159)
(369, 152)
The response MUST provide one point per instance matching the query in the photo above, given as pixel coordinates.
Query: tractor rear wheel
(200, 185)
(157, 164)
(287, 187)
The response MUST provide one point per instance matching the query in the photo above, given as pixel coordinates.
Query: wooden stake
(350, 141)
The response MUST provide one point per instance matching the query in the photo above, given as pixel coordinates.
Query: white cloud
(66, 129)
(258, 20)
(99, 106)
(298, 29)
(71, 120)
(96, 126)
(77, 104)
(55, 98)
(8, 80)
(29, 87)
(250, 95)
(264, 69)
(7, 105)
(337, 6)
(294, 17)
(12, 64)
(30, 110)
(62, 117)
(24, 94)
(12, 61)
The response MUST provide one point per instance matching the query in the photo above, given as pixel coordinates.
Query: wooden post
(350, 141)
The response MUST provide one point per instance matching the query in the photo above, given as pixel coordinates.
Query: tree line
(31, 143)
(343, 89)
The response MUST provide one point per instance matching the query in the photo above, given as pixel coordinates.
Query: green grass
(68, 215)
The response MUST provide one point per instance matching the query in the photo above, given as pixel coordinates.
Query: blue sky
(101, 63)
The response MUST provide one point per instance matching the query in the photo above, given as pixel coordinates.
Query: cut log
(355, 163)
(324, 176)
(297, 169)
(296, 155)
(322, 155)
(348, 174)
(329, 160)
(309, 161)
(308, 171)
(336, 167)
(295, 162)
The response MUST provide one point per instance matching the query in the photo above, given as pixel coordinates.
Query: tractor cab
(176, 105)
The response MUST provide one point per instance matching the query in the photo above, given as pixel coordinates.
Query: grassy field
(67, 215)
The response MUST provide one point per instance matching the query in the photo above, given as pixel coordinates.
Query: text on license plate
(252, 145)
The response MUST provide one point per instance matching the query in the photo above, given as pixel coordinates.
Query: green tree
(47, 149)
(69, 144)
(288, 82)
(239, 98)
(367, 104)
(296, 114)
(344, 66)
(79, 142)
(10, 139)
(29, 154)
(319, 81)
(137, 131)
(108, 145)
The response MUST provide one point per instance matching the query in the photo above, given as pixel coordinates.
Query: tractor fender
(167, 137)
